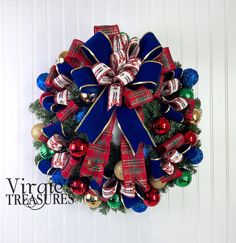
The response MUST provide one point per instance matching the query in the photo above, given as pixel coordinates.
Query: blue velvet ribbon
(98, 49)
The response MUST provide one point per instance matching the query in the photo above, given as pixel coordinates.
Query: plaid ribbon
(52, 74)
(110, 30)
(69, 111)
(75, 56)
(173, 143)
(157, 93)
(98, 155)
(138, 97)
(176, 174)
(189, 112)
(70, 166)
(134, 170)
(166, 60)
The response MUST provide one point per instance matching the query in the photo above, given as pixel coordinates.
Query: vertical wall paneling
(200, 34)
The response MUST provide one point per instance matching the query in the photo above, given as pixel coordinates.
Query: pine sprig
(45, 116)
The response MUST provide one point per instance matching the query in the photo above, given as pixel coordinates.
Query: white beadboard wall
(201, 34)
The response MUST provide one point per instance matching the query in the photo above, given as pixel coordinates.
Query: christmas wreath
(118, 121)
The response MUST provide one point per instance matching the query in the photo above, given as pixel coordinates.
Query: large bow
(99, 50)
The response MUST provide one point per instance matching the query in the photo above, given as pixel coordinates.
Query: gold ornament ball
(92, 201)
(118, 170)
(156, 183)
(36, 131)
(61, 57)
(63, 54)
(88, 98)
(196, 116)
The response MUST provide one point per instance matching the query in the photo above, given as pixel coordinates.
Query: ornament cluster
(119, 121)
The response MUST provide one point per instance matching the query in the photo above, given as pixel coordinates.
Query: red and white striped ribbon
(61, 82)
(173, 156)
(56, 142)
(169, 87)
(59, 160)
(178, 103)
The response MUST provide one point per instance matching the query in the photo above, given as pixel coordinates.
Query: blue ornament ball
(139, 207)
(194, 155)
(58, 179)
(190, 77)
(41, 81)
(81, 113)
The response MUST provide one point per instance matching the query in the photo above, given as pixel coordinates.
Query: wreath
(118, 121)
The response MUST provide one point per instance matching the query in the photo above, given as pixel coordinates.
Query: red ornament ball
(152, 198)
(161, 126)
(190, 138)
(79, 186)
(78, 148)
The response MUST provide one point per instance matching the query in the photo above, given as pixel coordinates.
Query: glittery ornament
(184, 180)
(114, 202)
(41, 81)
(186, 93)
(190, 77)
(45, 152)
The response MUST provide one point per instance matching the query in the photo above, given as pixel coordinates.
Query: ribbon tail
(98, 155)
(134, 169)
(133, 128)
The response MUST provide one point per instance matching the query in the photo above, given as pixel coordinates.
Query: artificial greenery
(151, 112)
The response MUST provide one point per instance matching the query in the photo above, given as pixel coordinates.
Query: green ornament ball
(185, 179)
(45, 152)
(186, 93)
(114, 202)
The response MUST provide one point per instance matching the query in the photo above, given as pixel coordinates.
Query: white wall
(202, 35)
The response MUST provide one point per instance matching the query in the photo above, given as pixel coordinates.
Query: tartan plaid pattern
(70, 166)
(138, 97)
(75, 56)
(166, 60)
(189, 112)
(157, 93)
(134, 170)
(69, 111)
(98, 155)
(173, 143)
(109, 30)
(52, 74)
